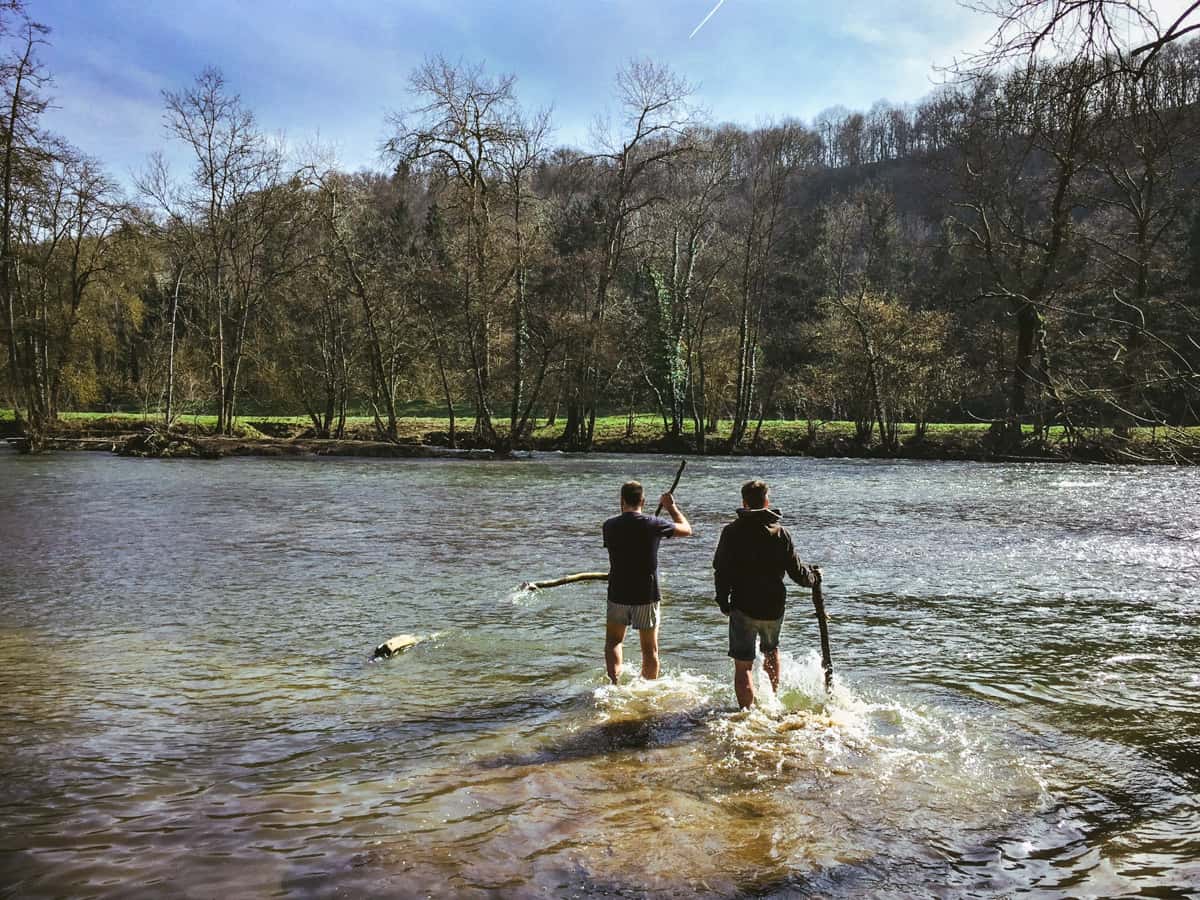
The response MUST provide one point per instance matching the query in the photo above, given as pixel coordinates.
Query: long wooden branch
(566, 579)
(674, 484)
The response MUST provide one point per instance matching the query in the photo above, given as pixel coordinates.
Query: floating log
(823, 624)
(393, 646)
(566, 579)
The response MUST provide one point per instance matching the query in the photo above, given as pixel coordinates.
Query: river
(187, 707)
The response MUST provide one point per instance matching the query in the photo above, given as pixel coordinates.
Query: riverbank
(422, 436)
(183, 441)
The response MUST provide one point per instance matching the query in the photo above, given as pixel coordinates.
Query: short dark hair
(632, 493)
(754, 494)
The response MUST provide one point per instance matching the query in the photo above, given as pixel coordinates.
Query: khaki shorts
(743, 631)
(643, 616)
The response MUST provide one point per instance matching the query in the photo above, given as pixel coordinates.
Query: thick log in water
(395, 645)
(567, 579)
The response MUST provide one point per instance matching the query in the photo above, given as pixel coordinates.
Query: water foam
(881, 749)
(671, 692)
(521, 596)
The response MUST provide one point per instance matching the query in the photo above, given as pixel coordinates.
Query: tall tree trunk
(1028, 321)
(518, 382)
(552, 416)
(520, 327)
(700, 408)
(21, 364)
(170, 405)
(219, 376)
(740, 405)
(446, 395)
(379, 378)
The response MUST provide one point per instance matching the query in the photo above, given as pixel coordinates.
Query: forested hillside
(1022, 248)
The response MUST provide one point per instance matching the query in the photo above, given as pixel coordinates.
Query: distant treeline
(1023, 248)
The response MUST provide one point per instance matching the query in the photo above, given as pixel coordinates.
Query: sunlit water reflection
(187, 706)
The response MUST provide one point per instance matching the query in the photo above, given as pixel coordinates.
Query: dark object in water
(823, 624)
(395, 645)
(566, 579)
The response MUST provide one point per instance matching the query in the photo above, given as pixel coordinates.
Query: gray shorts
(742, 633)
(642, 616)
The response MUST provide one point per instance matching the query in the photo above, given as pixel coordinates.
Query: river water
(187, 707)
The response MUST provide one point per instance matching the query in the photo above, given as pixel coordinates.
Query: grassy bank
(645, 434)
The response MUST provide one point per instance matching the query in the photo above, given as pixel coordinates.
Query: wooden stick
(674, 484)
(566, 579)
(823, 624)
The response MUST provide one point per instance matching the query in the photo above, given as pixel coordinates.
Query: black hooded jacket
(752, 556)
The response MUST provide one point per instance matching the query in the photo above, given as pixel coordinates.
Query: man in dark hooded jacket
(752, 556)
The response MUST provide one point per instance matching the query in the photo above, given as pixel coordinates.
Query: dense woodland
(1021, 248)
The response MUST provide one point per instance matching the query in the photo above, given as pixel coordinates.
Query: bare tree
(860, 234)
(236, 214)
(1081, 29)
(314, 321)
(59, 214)
(23, 153)
(770, 158)
(655, 116)
(68, 225)
(438, 319)
(1142, 188)
(681, 252)
(467, 127)
(1024, 142)
(372, 236)
(518, 159)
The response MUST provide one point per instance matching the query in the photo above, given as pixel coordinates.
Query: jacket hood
(768, 516)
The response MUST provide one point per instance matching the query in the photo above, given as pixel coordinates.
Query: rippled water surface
(187, 708)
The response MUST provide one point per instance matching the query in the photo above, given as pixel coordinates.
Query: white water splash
(520, 596)
(881, 748)
(671, 692)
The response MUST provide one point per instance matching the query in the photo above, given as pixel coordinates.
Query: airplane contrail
(703, 21)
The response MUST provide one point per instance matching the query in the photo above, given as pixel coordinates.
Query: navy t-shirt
(632, 539)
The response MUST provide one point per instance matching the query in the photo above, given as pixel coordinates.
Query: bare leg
(649, 639)
(742, 684)
(771, 667)
(613, 636)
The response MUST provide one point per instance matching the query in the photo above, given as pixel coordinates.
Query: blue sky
(334, 70)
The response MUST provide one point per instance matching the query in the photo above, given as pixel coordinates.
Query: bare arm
(683, 528)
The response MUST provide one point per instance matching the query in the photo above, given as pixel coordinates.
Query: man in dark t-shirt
(632, 539)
